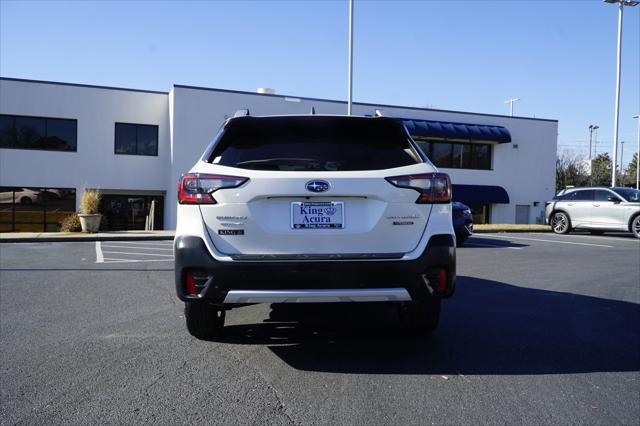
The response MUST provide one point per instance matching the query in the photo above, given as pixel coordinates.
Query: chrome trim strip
(318, 296)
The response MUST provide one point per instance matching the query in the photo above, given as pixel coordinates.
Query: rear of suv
(299, 209)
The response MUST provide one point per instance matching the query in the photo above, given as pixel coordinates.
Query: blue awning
(443, 129)
(480, 194)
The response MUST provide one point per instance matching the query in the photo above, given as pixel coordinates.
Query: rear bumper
(237, 281)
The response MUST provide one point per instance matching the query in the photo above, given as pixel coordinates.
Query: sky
(559, 57)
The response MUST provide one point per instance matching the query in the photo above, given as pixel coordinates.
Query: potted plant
(89, 216)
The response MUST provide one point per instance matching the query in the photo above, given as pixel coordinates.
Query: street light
(638, 154)
(621, 4)
(592, 127)
(510, 102)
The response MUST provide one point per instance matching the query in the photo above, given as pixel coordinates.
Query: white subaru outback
(296, 209)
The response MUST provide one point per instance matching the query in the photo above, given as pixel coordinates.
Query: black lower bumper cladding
(419, 277)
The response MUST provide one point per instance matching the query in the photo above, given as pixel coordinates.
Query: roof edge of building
(243, 92)
(276, 95)
(89, 86)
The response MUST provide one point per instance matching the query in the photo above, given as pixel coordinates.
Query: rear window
(314, 144)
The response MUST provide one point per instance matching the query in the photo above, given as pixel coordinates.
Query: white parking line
(114, 260)
(136, 247)
(138, 254)
(99, 256)
(546, 241)
(491, 245)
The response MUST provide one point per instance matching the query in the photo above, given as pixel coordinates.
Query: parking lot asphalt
(543, 329)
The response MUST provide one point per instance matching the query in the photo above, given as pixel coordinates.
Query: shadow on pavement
(488, 327)
(479, 242)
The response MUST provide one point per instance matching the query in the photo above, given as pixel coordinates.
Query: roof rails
(241, 113)
(313, 111)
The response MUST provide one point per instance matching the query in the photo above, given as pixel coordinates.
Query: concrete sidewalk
(30, 237)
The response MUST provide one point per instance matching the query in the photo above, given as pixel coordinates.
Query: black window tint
(52, 134)
(61, 135)
(7, 131)
(314, 144)
(125, 138)
(462, 156)
(441, 154)
(136, 139)
(586, 195)
(481, 157)
(147, 140)
(601, 195)
(30, 132)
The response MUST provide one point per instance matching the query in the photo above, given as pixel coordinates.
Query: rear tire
(560, 223)
(421, 318)
(204, 321)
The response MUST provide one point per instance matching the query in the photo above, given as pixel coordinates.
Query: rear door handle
(596, 205)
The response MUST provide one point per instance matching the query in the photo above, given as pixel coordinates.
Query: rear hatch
(316, 187)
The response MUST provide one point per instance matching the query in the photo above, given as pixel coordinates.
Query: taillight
(433, 187)
(197, 188)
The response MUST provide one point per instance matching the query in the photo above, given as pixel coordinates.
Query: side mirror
(613, 198)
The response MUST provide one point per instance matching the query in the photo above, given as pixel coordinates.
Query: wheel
(204, 321)
(26, 201)
(420, 318)
(560, 223)
(635, 226)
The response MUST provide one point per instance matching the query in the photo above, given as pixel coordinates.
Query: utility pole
(621, 4)
(510, 102)
(592, 127)
(350, 89)
(638, 154)
(621, 157)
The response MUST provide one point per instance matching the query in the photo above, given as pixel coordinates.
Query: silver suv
(595, 209)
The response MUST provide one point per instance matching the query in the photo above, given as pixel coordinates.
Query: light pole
(621, 4)
(350, 89)
(638, 154)
(592, 127)
(510, 102)
(621, 157)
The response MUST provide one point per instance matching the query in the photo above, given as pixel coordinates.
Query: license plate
(317, 214)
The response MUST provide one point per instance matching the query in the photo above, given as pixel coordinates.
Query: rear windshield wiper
(277, 161)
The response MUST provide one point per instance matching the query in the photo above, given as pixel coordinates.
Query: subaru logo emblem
(317, 186)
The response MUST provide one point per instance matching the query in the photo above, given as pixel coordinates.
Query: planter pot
(90, 222)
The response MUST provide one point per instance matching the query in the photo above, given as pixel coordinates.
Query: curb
(87, 239)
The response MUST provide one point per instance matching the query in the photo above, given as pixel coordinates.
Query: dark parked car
(462, 221)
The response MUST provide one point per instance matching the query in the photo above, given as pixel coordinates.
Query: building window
(51, 134)
(35, 209)
(452, 155)
(136, 139)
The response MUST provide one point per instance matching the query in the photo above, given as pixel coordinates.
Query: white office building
(58, 138)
